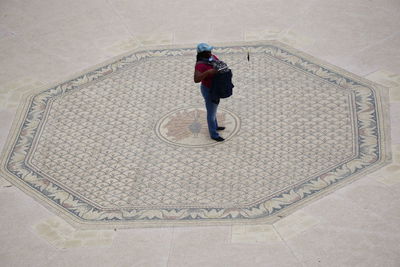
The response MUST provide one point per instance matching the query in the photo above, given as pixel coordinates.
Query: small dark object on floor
(220, 128)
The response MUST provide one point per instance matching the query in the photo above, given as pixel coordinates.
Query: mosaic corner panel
(44, 158)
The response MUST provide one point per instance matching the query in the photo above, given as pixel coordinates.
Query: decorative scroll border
(372, 140)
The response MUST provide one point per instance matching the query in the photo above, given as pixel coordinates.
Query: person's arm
(199, 76)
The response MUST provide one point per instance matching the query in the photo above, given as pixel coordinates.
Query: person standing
(204, 73)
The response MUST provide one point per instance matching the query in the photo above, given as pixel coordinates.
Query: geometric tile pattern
(92, 149)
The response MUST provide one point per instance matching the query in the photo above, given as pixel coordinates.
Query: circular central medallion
(188, 127)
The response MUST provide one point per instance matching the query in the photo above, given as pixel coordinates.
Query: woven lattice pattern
(129, 141)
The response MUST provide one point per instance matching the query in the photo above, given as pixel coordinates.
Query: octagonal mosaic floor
(126, 144)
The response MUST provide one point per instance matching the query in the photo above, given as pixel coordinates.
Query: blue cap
(204, 47)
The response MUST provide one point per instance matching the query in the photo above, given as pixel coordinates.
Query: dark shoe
(220, 128)
(218, 139)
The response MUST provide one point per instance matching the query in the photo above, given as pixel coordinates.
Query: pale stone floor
(43, 42)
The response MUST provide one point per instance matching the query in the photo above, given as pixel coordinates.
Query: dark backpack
(222, 81)
(221, 85)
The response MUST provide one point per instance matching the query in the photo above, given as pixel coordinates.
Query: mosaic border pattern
(373, 150)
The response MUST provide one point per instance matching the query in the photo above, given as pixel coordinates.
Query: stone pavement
(127, 144)
(47, 42)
